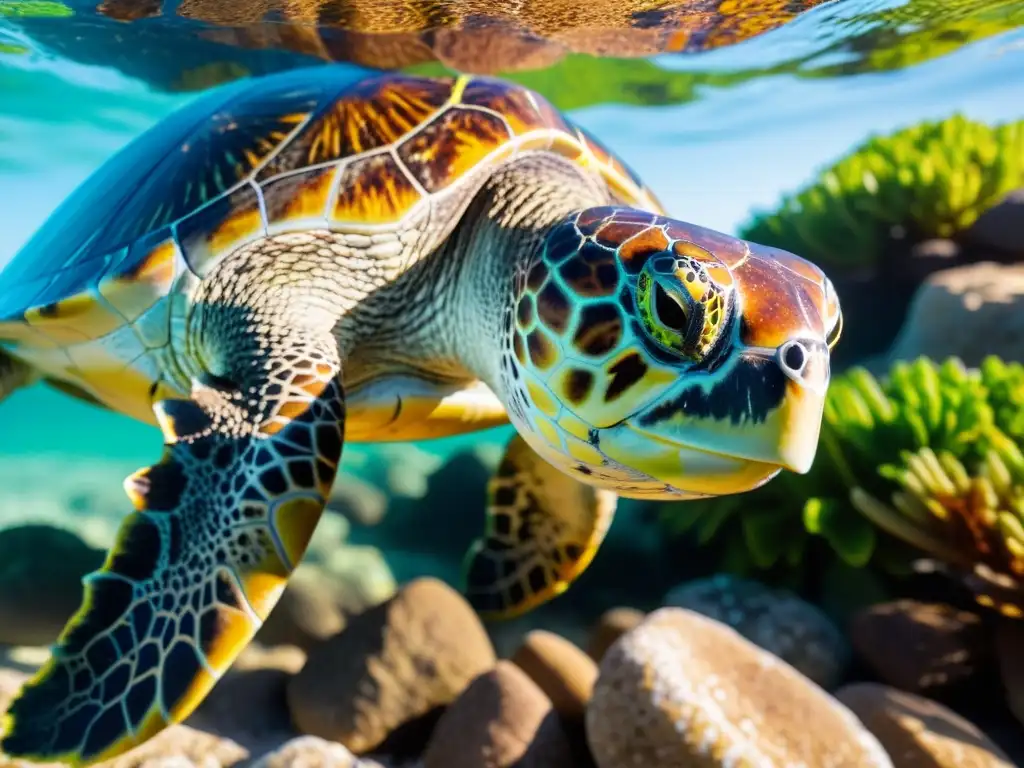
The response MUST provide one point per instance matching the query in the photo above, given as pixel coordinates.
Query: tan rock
(391, 668)
(612, 625)
(560, 669)
(310, 610)
(918, 732)
(684, 691)
(956, 307)
(357, 500)
(249, 705)
(41, 570)
(320, 596)
(920, 646)
(502, 720)
(1010, 651)
(287, 658)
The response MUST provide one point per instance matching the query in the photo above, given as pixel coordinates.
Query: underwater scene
(512, 383)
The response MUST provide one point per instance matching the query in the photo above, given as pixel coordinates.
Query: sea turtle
(298, 260)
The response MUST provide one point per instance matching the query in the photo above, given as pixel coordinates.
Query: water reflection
(191, 45)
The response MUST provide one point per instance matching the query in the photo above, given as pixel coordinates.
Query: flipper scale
(220, 522)
(543, 529)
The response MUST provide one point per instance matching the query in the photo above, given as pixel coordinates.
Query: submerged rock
(312, 752)
(249, 704)
(319, 597)
(381, 682)
(683, 690)
(612, 625)
(41, 570)
(1001, 227)
(918, 732)
(920, 647)
(1010, 652)
(776, 620)
(311, 608)
(359, 501)
(502, 720)
(560, 669)
(955, 308)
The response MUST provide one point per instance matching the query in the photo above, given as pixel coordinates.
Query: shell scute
(523, 110)
(145, 275)
(74, 319)
(313, 148)
(374, 190)
(444, 150)
(219, 155)
(299, 200)
(371, 115)
(229, 222)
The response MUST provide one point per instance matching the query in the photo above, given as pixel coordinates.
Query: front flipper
(543, 529)
(222, 520)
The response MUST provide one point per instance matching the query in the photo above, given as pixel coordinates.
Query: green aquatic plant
(933, 178)
(579, 80)
(925, 461)
(917, 31)
(34, 9)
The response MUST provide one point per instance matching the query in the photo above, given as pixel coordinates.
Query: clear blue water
(712, 158)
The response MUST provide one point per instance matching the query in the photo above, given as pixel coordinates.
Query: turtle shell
(318, 148)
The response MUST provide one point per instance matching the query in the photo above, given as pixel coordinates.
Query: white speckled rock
(774, 619)
(313, 752)
(684, 691)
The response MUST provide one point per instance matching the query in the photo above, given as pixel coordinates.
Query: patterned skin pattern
(661, 359)
(291, 263)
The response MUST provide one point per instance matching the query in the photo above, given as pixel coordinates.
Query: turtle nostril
(794, 356)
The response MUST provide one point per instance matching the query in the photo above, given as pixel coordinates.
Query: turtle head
(658, 358)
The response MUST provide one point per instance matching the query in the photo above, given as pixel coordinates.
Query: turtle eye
(665, 316)
(684, 312)
(670, 312)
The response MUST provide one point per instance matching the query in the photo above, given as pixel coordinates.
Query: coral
(926, 460)
(933, 179)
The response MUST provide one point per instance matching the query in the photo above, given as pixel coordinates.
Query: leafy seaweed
(34, 9)
(928, 458)
(934, 178)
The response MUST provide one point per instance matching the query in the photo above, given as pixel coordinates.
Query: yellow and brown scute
(660, 358)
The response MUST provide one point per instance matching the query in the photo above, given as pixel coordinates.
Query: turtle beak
(736, 429)
(805, 364)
